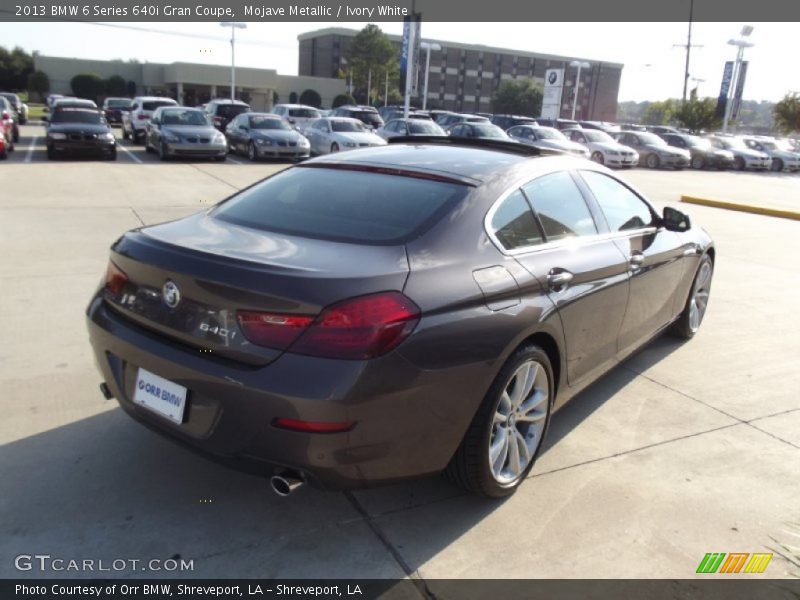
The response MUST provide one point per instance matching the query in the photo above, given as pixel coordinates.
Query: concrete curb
(750, 208)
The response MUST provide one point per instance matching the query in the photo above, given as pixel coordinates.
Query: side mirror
(675, 220)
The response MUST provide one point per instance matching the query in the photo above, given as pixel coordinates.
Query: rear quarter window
(343, 205)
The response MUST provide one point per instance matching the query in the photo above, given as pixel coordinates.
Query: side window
(623, 209)
(513, 223)
(560, 206)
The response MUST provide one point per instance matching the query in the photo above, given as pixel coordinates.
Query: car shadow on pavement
(107, 488)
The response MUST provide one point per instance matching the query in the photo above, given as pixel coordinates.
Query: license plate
(160, 396)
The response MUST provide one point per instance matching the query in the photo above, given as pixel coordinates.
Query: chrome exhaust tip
(286, 482)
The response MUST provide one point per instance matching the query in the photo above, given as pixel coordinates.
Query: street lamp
(427, 46)
(579, 65)
(741, 44)
(697, 82)
(234, 26)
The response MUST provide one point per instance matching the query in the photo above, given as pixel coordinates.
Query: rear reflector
(313, 426)
(359, 328)
(115, 279)
(142, 117)
(272, 330)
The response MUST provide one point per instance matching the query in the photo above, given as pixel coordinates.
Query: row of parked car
(293, 131)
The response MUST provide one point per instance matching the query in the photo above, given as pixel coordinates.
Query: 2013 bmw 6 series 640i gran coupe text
(393, 312)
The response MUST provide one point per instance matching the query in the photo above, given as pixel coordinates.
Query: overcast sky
(653, 67)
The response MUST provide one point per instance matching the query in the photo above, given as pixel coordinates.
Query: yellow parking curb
(759, 210)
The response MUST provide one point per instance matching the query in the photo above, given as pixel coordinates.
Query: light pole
(697, 82)
(741, 44)
(580, 65)
(427, 46)
(234, 26)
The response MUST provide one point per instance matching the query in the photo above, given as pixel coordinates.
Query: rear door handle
(557, 279)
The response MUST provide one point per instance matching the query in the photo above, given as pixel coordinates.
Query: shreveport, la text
(166, 589)
(343, 10)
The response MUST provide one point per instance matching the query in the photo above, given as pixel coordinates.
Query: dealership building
(191, 83)
(464, 77)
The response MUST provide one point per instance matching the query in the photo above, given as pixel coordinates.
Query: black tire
(4, 154)
(683, 327)
(162, 152)
(251, 152)
(147, 147)
(220, 158)
(16, 134)
(125, 135)
(598, 158)
(334, 147)
(777, 165)
(698, 162)
(10, 145)
(469, 467)
(112, 155)
(738, 163)
(51, 154)
(652, 161)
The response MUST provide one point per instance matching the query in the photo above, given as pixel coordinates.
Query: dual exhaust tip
(285, 482)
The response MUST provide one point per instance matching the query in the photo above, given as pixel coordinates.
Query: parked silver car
(782, 155)
(298, 115)
(262, 135)
(332, 134)
(404, 127)
(604, 149)
(547, 138)
(135, 121)
(743, 157)
(180, 131)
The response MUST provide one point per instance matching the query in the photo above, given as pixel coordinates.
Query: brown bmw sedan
(393, 312)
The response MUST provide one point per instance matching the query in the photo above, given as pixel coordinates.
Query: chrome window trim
(581, 240)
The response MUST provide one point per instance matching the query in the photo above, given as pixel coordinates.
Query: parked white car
(603, 148)
(297, 115)
(546, 138)
(782, 155)
(332, 134)
(134, 123)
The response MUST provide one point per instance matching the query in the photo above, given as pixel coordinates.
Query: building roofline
(343, 31)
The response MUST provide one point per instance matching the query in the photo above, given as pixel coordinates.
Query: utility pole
(688, 47)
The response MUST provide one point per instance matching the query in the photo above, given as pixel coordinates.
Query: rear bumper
(409, 422)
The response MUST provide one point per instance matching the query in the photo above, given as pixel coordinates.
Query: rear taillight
(115, 279)
(142, 117)
(272, 330)
(313, 426)
(359, 328)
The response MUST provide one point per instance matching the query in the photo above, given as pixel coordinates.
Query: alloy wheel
(699, 301)
(598, 157)
(519, 422)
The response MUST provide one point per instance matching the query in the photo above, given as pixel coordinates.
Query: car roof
(264, 114)
(296, 106)
(227, 101)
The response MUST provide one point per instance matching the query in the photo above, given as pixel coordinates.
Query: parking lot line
(129, 153)
(233, 160)
(31, 148)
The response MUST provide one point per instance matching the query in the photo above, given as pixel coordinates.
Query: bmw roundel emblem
(171, 294)
(552, 77)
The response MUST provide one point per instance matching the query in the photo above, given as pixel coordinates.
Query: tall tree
(697, 114)
(787, 113)
(88, 85)
(116, 86)
(518, 97)
(15, 68)
(39, 83)
(370, 58)
(311, 98)
(659, 113)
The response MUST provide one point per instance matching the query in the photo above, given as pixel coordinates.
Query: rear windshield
(152, 105)
(347, 126)
(425, 127)
(66, 115)
(228, 111)
(366, 116)
(118, 103)
(342, 205)
(304, 113)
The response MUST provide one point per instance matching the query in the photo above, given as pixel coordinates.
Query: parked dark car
(366, 114)
(703, 154)
(558, 123)
(79, 131)
(393, 312)
(447, 121)
(506, 122)
(175, 131)
(222, 112)
(114, 107)
(20, 108)
(263, 135)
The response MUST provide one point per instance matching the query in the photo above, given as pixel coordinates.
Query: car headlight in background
(108, 137)
(612, 152)
(349, 144)
(263, 142)
(57, 136)
(219, 138)
(171, 138)
(302, 142)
